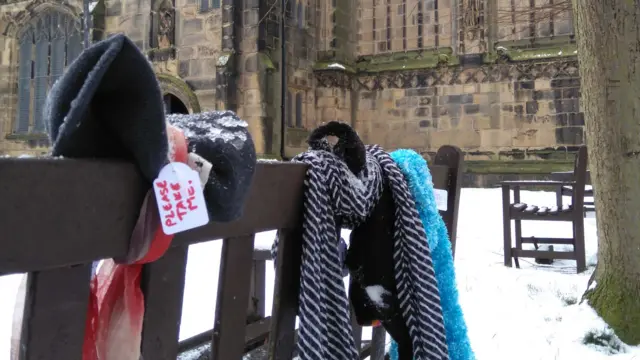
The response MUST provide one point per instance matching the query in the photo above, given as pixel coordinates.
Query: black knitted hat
(108, 104)
(222, 139)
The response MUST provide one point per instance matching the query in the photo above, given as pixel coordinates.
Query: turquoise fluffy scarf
(416, 172)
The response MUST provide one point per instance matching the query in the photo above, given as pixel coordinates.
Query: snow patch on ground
(532, 313)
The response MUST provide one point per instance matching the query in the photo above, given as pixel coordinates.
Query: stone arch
(14, 25)
(173, 105)
(180, 89)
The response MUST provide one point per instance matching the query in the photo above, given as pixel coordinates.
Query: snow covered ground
(531, 313)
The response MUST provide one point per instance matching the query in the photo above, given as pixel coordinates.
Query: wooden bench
(61, 215)
(517, 211)
(447, 175)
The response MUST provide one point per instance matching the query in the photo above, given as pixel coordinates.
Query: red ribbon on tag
(116, 303)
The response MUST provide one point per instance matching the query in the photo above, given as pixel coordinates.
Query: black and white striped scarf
(334, 195)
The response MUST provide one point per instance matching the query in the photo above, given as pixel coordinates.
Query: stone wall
(198, 38)
(192, 52)
(485, 110)
(498, 79)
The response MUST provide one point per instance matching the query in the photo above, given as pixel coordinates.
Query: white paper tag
(180, 199)
(201, 166)
(442, 199)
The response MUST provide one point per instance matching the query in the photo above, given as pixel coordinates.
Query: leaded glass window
(47, 45)
(299, 110)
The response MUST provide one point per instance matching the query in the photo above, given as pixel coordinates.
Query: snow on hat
(224, 141)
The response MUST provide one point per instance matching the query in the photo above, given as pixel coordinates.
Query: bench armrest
(551, 183)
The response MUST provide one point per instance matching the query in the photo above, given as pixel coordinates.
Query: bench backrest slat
(55, 306)
(162, 284)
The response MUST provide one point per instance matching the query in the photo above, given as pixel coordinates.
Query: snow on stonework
(531, 313)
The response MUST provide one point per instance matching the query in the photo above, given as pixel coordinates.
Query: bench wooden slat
(560, 216)
(262, 254)
(542, 211)
(285, 295)
(378, 343)
(257, 333)
(375, 348)
(233, 296)
(97, 204)
(522, 211)
(357, 330)
(255, 337)
(257, 297)
(54, 317)
(544, 240)
(196, 341)
(451, 158)
(163, 286)
(273, 202)
(543, 254)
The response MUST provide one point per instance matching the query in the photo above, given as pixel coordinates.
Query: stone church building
(497, 78)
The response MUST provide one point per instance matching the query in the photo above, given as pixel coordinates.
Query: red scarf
(116, 303)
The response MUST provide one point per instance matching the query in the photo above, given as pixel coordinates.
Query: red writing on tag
(174, 206)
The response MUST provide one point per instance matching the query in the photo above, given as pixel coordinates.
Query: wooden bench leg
(506, 221)
(518, 233)
(378, 339)
(53, 322)
(285, 295)
(257, 298)
(233, 296)
(357, 331)
(163, 286)
(559, 197)
(579, 246)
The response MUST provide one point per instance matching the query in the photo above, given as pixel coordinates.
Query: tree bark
(608, 36)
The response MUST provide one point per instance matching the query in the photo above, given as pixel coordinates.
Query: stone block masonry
(486, 110)
(415, 74)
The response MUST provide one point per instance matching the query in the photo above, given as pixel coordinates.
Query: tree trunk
(608, 35)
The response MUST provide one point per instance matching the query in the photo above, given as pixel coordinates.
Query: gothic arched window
(289, 109)
(48, 44)
(299, 111)
(301, 15)
(206, 5)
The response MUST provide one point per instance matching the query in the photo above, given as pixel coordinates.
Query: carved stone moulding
(159, 55)
(456, 75)
(12, 23)
(334, 79)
